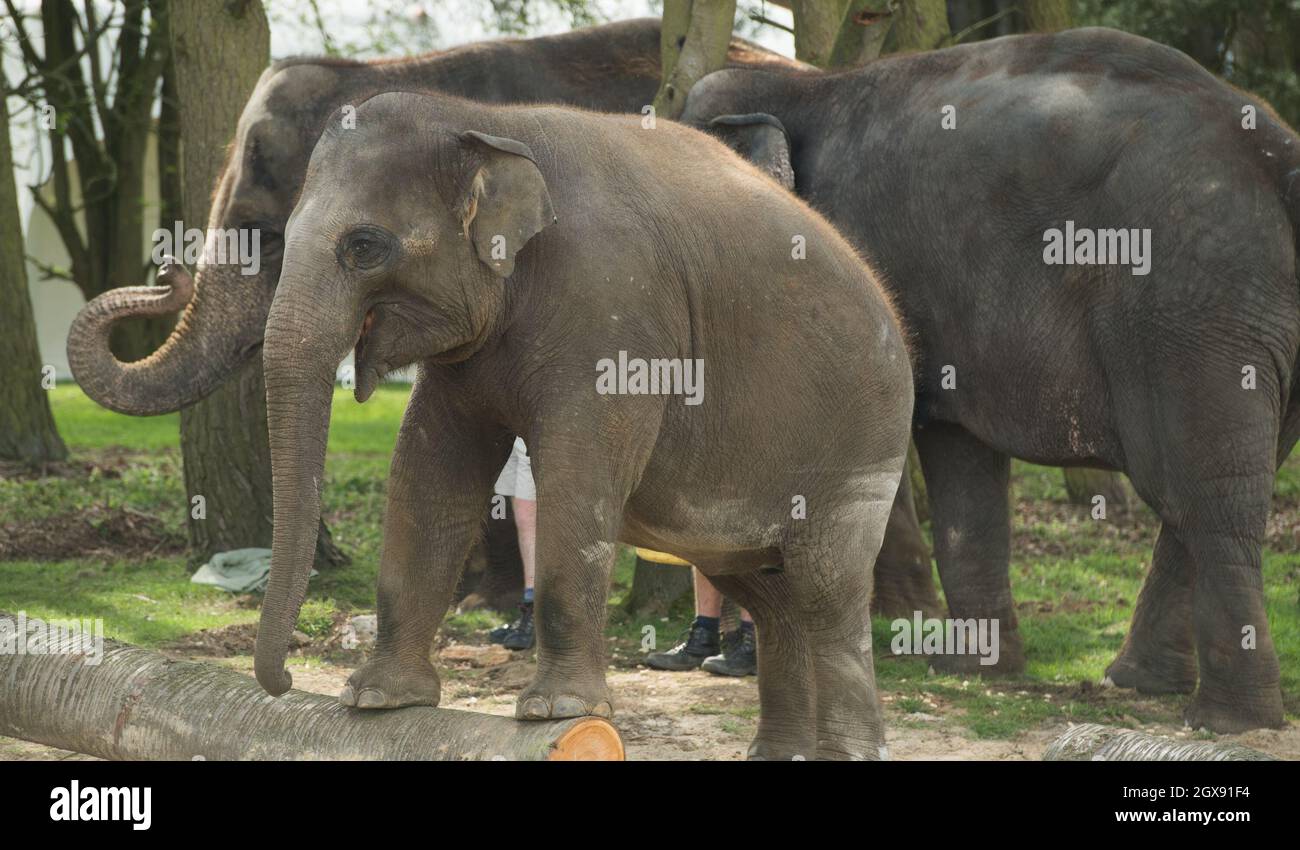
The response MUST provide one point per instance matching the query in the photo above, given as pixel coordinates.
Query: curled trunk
(206, 346)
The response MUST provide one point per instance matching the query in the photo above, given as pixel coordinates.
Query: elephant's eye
(364, 249)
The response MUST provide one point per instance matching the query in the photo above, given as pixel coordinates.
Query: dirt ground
(692, 716)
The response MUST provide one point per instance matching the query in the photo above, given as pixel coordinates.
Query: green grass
(139, 468)
(1074, 605)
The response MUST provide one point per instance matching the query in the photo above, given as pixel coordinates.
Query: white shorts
(516, 477)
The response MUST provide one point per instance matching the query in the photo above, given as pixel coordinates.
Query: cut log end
(590, 739)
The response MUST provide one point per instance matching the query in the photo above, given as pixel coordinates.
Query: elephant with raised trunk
(956, 171)
(614, 67)
(520, 254)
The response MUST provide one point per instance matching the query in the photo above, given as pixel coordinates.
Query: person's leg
(526, 526)
(521, 634)
(516, 483)
(739, 655)
(708, 599)
(702, 640)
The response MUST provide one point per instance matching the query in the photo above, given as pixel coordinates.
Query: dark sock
(528, 596)
(710, 623)
(747, 625)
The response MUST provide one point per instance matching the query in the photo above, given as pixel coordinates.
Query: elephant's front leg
(441, 478)
(576, 545)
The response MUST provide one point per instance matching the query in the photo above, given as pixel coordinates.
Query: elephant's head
(225, 306)
(399, 246)
(730, 104)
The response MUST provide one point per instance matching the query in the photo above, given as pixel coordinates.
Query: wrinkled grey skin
(612, 238)
(614, 67)
(1075, 365)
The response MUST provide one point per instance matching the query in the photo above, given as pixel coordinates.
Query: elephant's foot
(1009, 659)
(1169, 673)
(831, 747)
(389, 683)
(766, 748)
(543, 700)
(1230, 711)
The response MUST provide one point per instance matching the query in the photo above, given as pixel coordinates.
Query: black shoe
(521, 634)
(739, 656)
(701, 642)
(498, 635)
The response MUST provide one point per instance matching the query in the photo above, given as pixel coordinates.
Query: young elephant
(533, 261)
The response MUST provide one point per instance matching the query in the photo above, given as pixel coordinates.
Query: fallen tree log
(135, 704)
(1094, 742)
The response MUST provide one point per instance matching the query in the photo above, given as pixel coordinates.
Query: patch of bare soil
(223, 642)
(108, 466)
(241, 638)
(1134, 527)
(98, 532)
(1283, 531)
(1032, 536)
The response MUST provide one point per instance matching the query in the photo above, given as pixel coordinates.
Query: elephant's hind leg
(816, 678)
(787, 681)
(1159, 653)
(832, 582)
(1213, 490)
(968, 485)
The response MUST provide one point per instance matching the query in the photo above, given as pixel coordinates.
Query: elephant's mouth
(366, 374)
(366, 324)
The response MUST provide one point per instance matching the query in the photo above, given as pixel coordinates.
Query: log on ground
(1094, 742)
(135, 704)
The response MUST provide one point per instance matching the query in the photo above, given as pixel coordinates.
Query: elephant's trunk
(220, 328)
(302, 351)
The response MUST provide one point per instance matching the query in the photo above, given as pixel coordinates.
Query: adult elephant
(613, 67)
(962, 173)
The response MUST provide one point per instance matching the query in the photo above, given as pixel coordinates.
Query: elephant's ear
(506, 202)
(761, 139)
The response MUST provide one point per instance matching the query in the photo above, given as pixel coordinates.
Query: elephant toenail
(347, 696)
(371, 698)
(569, 707)
(603, 709)
(534, 708)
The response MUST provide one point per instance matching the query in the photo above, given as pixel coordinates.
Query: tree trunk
(27, 431)
(920, 25)
(655, 587)
(218, 52)
(136, 705)
(1047, 15)
(1094, 742)
(693, 43)
(1083, 484)
(920, 497)
(840, 33)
